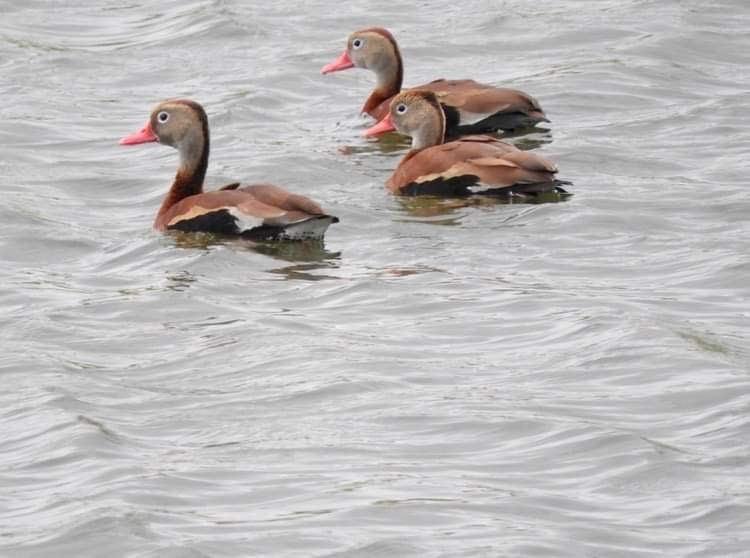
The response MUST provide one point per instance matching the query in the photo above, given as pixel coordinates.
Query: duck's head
(179, 123)
(171, 123)
(417, 114)
(373, 49)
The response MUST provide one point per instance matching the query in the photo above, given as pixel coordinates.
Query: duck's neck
(431, 132)
(188, 181)
(390, 77)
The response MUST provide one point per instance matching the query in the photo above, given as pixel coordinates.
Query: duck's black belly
(218, 222)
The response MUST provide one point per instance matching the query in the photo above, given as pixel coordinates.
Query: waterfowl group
(431, 114)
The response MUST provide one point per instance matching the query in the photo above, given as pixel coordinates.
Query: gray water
(440, 379)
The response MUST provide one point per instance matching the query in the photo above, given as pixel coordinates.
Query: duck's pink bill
(385, 125)
(145, 135)
(343, 62)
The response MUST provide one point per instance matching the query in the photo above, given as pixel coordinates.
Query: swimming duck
(470, 165)
(470, 107)
(257, 212)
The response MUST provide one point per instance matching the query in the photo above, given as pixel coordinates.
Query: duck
(470, 107)
(257, 212)
(476, 164)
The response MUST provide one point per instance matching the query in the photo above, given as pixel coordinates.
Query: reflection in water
(293, 250)
(180, 281)
(527, 139)
(310, 251)
(434, 206)
(385, 144)
(307, 255)
(198, 240)
(303, 271)
(408, 271)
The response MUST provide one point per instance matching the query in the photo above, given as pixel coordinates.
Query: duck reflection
(527, 139)
(307, 256)
(307, 251)
(431, 207)
(180, 281)
(387, 144)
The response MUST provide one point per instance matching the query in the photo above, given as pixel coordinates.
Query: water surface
(439, 379)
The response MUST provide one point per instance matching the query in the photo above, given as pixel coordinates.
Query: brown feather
(491, 161)
(207, 202)
(471, 96)
(278, 197)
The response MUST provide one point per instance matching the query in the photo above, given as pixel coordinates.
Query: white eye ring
(163, 116)
(358, 43)
(401, 108)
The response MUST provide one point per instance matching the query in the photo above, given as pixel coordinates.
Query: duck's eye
(163, 116)
(401, 108)
(358, 43)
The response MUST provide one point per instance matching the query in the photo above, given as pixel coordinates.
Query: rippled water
(441, 379)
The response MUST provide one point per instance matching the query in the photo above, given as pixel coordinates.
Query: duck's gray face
(180, 124)
(417, 114)
(365, 49)
(410, 112)
(369, 50)
(172, 123)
